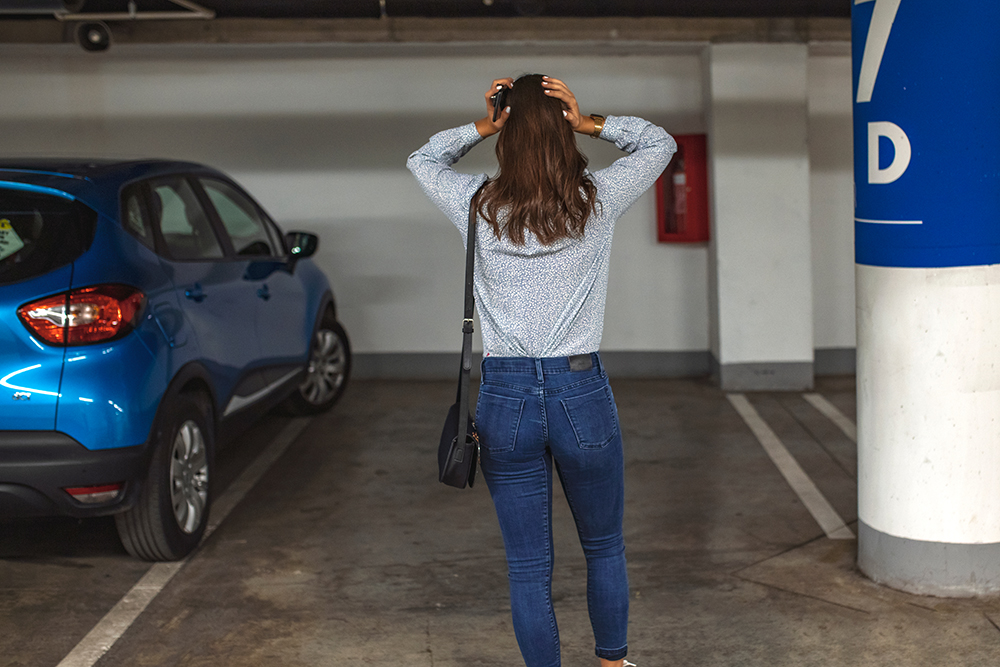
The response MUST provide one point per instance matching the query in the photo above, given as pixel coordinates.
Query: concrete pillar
(760, 276)
(927, 240)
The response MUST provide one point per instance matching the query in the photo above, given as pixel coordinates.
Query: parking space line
(804, 488)
(831, 412)
(109, 629)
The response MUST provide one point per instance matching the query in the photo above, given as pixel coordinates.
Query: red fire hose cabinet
(682, 193)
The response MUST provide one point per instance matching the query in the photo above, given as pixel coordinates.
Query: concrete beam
(426, 30)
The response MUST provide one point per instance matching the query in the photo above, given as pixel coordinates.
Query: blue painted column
(927, 239)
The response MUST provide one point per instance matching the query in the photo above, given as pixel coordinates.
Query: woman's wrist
(485, 127)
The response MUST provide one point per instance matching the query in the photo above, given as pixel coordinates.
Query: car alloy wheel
(188, 477)
(171, 512)
(327, 373)
(327, 368)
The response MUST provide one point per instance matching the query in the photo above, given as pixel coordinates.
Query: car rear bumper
(36, 467)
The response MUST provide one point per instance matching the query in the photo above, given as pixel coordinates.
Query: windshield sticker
(10, 242)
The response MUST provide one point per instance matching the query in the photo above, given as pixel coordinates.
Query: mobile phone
(499, 100)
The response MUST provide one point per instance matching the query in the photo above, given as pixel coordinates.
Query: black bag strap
(467, 325)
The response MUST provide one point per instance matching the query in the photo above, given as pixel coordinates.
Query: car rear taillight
(95, 494)
(83, 316)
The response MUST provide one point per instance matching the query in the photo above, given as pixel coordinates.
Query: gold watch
(598, 125)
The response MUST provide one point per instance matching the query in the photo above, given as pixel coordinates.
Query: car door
(217, 301)
(283, 328)
(161, 303)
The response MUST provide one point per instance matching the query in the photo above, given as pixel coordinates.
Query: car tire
(169, 518)
(328, 371)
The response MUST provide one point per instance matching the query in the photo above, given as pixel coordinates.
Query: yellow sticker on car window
(10, 242)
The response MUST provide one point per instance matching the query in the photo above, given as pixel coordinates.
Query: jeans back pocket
(497, 420)
(593, 417)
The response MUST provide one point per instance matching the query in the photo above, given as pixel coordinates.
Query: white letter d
(900, 161)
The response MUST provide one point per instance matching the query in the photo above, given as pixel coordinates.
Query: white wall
(320, 136)
(832, 195)
(321, 140)
(760, 179)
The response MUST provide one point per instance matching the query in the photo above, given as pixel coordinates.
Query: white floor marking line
(114, 624)
(831, 412)
(253, 472)
(811, 497)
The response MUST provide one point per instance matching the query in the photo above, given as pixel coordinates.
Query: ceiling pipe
(56, 7)
(195, 11)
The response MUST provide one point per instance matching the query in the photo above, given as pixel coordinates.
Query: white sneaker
(628, 664)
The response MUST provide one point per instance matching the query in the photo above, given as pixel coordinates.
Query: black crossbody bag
(458, 453)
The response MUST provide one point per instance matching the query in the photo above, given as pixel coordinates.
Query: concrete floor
(348, 552)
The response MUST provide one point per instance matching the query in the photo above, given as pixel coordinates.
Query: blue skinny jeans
(533, 415)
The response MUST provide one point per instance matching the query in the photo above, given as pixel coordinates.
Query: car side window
(134, 217)
(241, 220)
(182, 222)
(276, 237)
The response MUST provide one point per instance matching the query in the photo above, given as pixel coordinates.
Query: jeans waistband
(544, 365)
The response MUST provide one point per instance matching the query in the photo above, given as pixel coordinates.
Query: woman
(541, 272)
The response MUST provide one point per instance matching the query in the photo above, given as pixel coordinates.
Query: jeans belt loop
(538, 370)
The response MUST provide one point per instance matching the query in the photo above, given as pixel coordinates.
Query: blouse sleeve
(450, 190)
(649, 149)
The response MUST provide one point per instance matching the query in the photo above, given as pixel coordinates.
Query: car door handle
(195, 293)
(264, 293)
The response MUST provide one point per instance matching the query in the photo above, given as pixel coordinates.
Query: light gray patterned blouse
(536, 300)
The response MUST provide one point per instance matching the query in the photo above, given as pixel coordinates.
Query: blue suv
(148, 311)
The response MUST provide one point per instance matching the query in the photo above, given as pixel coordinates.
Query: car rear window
(40, 233)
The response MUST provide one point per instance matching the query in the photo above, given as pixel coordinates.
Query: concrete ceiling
(443, 22)
(490, 8)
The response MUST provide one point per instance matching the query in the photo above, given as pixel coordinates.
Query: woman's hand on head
(487, 126)
(571, 110)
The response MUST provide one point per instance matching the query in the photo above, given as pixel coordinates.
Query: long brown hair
(541, 185)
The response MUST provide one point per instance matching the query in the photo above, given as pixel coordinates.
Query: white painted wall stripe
(109, 629)
(831, 412)
(928, 374)
(811, 497)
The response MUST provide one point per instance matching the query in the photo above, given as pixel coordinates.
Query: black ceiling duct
(40, 6)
